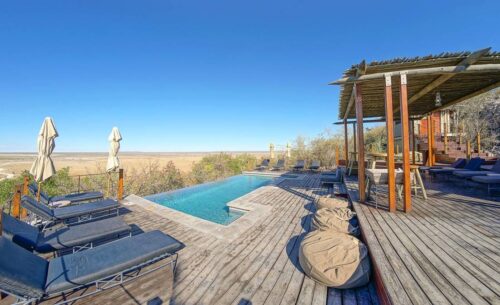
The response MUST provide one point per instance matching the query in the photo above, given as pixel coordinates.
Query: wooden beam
(484, 68)
(361, 70)
(403, 101)
(361, 144)
(354, 137)
(469, 96)
(389, 123)
(346, 143)
(462, 66)
(379, 120)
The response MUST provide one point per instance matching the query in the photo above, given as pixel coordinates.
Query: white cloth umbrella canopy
(114, 146)
(43, 167)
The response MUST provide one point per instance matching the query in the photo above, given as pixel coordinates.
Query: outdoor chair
(492, 181)
(263, 165)
(459, 163)
(76, 238)
(377, 177)
(315, 165)
(32, 279)
(469, 174)
(280, 165)
(332, 178)
(70, 214)
(299, 165)
(71, 198)
(474, 164)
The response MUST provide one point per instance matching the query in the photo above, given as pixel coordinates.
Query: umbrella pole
(39, 190)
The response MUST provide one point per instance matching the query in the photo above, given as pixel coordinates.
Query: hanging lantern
(438, 99)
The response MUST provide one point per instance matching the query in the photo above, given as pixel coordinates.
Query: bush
(218, 166)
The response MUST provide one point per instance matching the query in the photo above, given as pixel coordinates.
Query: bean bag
(335, 259)
(341, 220)
(331, 201)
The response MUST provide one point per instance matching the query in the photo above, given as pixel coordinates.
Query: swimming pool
(209, 200)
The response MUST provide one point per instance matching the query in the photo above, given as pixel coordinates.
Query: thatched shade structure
(405, 88)
(457, 76)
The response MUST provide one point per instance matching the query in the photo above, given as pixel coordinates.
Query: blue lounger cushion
(493, 179)
(71, 271)
(75, 197)
(469, 174)
(21, 272)
(69, 211)
(473, 165)
(51, 240)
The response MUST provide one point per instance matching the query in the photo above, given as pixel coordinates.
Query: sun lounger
(489, 180)
(331, 177)
(280, 165)
(315, 165)
(71, 198)
(469, 174)
(473, 165)
(459, 163)
(299, 165)
(70, 214)
(32, 279)
(75, 238)
(263, 165)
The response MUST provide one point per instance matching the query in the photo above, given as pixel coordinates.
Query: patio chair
(76, 238)
(263, 165)
(69, 214)
(492, 181)
(469, 174)
(299, 165)
(280, 165)
(72, 198)
(32, 279)
(459, 163)
(474, 164)
(315, 165)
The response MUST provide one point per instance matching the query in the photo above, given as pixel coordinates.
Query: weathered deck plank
(446, 251)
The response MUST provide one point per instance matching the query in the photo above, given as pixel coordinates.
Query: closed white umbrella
(113, 164)
(114, 146)
(271, 151)
(43, 167)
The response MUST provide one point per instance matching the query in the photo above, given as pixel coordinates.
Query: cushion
(19, 232)
(341, 220)
(468, 174)
(84, 267)
(21, 272)
(85, 209)
(491, 179)
(331, 201)
(335, 259)
(76, 197)
(80, 234)
(37, 208)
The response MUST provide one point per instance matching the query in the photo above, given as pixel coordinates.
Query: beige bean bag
(341, 220)
(332, 202)
(335, 259)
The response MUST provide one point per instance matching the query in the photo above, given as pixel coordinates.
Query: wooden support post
(120, 184)
(346, 143)
(16, 201)
(445, 138)
(26, 191)
(478, 137)
(389, 122)
(467, 150)
(403, 102)
(429, 140)
(354, 136)
(413, 143)
(361, 145)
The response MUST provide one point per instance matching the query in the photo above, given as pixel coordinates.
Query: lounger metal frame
(103, 284)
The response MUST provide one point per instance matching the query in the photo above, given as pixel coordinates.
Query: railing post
(26, 182)
(478, 143)
(79, 183)
(467, 149)
(16, 202)
(120, 184)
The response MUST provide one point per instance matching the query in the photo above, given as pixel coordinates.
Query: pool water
(209, 200)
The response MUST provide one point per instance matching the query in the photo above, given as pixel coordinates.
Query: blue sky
(205, 75)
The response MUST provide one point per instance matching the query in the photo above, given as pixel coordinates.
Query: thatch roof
(457, 76)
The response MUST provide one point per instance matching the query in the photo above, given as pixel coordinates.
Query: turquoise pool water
(209, 200)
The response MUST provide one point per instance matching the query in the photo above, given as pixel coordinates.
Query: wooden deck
(258, 267)
(446, 251)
